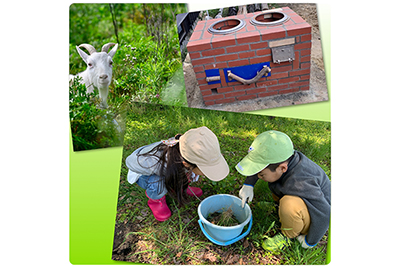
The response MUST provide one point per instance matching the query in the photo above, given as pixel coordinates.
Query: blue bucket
(224, 235)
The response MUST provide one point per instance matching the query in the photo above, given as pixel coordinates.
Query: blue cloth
(152, 184)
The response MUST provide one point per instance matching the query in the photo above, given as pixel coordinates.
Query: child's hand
(246, 192)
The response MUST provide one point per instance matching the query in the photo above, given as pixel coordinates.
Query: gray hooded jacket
(307, 180)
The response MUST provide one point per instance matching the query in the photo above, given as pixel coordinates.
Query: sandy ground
(318, 87)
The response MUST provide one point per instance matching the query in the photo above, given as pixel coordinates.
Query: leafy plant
(91, 127)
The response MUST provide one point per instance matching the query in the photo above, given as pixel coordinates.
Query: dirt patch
(318, 87)
(131, 245)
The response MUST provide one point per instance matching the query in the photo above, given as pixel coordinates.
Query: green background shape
(94, 177)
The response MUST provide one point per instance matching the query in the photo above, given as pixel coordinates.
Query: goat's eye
(90, 64)
(111, 62)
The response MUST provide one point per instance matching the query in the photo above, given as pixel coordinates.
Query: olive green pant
(293, 215)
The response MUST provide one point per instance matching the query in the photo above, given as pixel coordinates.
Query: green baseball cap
(269, 147)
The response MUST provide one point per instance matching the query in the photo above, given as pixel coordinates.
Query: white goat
(98, 73)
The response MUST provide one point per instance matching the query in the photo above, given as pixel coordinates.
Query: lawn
(139, 238)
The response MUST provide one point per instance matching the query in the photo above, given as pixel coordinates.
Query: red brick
(300, 84)
(200, 75)
(223, 80)
(262, 79)
(196, 36)
(235, 93)
(233, 83)
(216, 65)
(302, 46)
(276, 68)
(286, 91)
(306, 37)
(213, 97)
(203, 87)
(305, 52)
(297, 19)
(248, 37)
(200, 26)
(306, 58)
(299, 72)
(202, 61)
(249, 27)
(267, 83)
(224, 89)
(238, 63)
(278, 87)
(272, 33)
(235, 49)
(288, 80)
(262, 95)
(206, 92)
(243, 30)
(259, 45)
(227, 57)
(213, 52)
(256, 91)
(296, 62)
(248, 54)
(198, 69)
(305, 77)
(223, 41)
(262, 52)
(245, 87)
(198, 46)
(289, 22)
(202, 82)
(279, 75)
(260, 59)
(195, 55)
(298, 29)
(305, 65)
(247, 97)
(206, 35)
(305, 88)
(226, 100)
(208, 103)
(281, 65)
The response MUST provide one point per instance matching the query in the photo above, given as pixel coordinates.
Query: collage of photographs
(199, 137)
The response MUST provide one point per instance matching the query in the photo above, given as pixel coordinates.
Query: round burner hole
(269, 18)
(226, 26)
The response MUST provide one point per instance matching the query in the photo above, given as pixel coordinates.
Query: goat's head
(99, 67)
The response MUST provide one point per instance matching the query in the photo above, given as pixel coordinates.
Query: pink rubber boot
(159, 208)
(192, 191)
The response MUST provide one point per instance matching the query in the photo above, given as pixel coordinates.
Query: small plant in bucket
(224, 218)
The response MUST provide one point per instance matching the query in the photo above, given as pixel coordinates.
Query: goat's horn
(89, 48)
(106, 47)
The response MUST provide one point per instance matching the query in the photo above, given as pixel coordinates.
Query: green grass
(180, 240)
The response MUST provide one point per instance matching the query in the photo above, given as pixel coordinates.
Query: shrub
(91, 128)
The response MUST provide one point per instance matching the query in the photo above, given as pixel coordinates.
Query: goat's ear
(82, 53)
(113, 51)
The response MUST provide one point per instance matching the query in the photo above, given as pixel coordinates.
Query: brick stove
(251, 56)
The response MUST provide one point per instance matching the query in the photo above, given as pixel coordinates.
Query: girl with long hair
(168, 166)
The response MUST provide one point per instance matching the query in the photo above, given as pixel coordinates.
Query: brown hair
(173, 170)
(273, 167)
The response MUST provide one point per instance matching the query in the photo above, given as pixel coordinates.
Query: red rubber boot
(192, 191)
(159, 208)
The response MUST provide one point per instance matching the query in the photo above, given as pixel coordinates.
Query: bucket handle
(230, 241)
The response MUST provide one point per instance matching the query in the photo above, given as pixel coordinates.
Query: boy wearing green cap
(300, 185)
